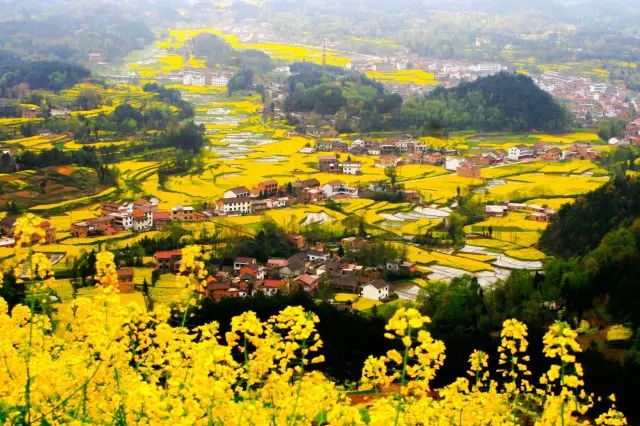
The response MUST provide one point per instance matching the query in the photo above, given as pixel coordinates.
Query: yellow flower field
(529, 253)
(417, 77)
(363, 304)
(75, 200)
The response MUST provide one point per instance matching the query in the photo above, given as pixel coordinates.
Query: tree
(392, 174)
(611, 128)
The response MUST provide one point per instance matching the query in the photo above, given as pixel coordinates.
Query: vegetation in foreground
(103, 362)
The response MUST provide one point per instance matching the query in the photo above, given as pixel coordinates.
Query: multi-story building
(168, 260)
(235, 205)
(183, 213)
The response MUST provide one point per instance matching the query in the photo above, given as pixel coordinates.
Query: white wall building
(452, 163)
(235, 206)
(334, 188)
(352, 168)
(515, 153)
(376, 290)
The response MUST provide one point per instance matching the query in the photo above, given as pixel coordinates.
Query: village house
(311, 195)
(257, 272)
(552, 155)
(356, 243)
(161, 219)
(256, 205)
(347, 282)
(276, 203)
(239, 262)
(102, 225)
(339, 189)
(540, 147)
(266, 189)
(218, 290)
(125, 279)
(387, 161)
(183, 213)
(298, 241)
(168, 260)
(469, 170)
(299, 185)
(316, 255)
(495, 210)
(238, 192)
(142, 219)
(452, 163)
(230, 206)
(308, 282)
(519, 152)
(275, 264)
(351, 168)
(328, 164)
(538, 217)
(376, 290)
(271, 287)
(31, 112)
(434, 159)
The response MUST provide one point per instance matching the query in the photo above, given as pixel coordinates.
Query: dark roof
(218, 286)
(239, 190)
(379, 284)
(297, 261)
(345, 281)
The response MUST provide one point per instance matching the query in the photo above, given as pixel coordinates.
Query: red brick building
(468, 170)
(125, 279)
(168, 260)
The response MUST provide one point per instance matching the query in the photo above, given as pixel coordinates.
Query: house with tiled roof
(376, 290)
(168, 260)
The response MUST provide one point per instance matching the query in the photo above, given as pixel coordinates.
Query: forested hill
(51, 75)
(504, 101)
(579, 227)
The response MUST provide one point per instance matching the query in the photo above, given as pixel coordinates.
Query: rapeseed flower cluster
(106, 363)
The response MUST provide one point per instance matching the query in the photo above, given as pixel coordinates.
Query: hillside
(502, 102)
(581, 226)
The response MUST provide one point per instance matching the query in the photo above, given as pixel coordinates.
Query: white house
(235, 205)
(376, 290)
(352, 168)
(315, 255)
(239, 262)
(452, 163)
(517, 152)
(142, 220)
(194, 79)
(392, 265)
(238, 192)
(123, 218)
(337, 187)
(219, 80)
(276, 203)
